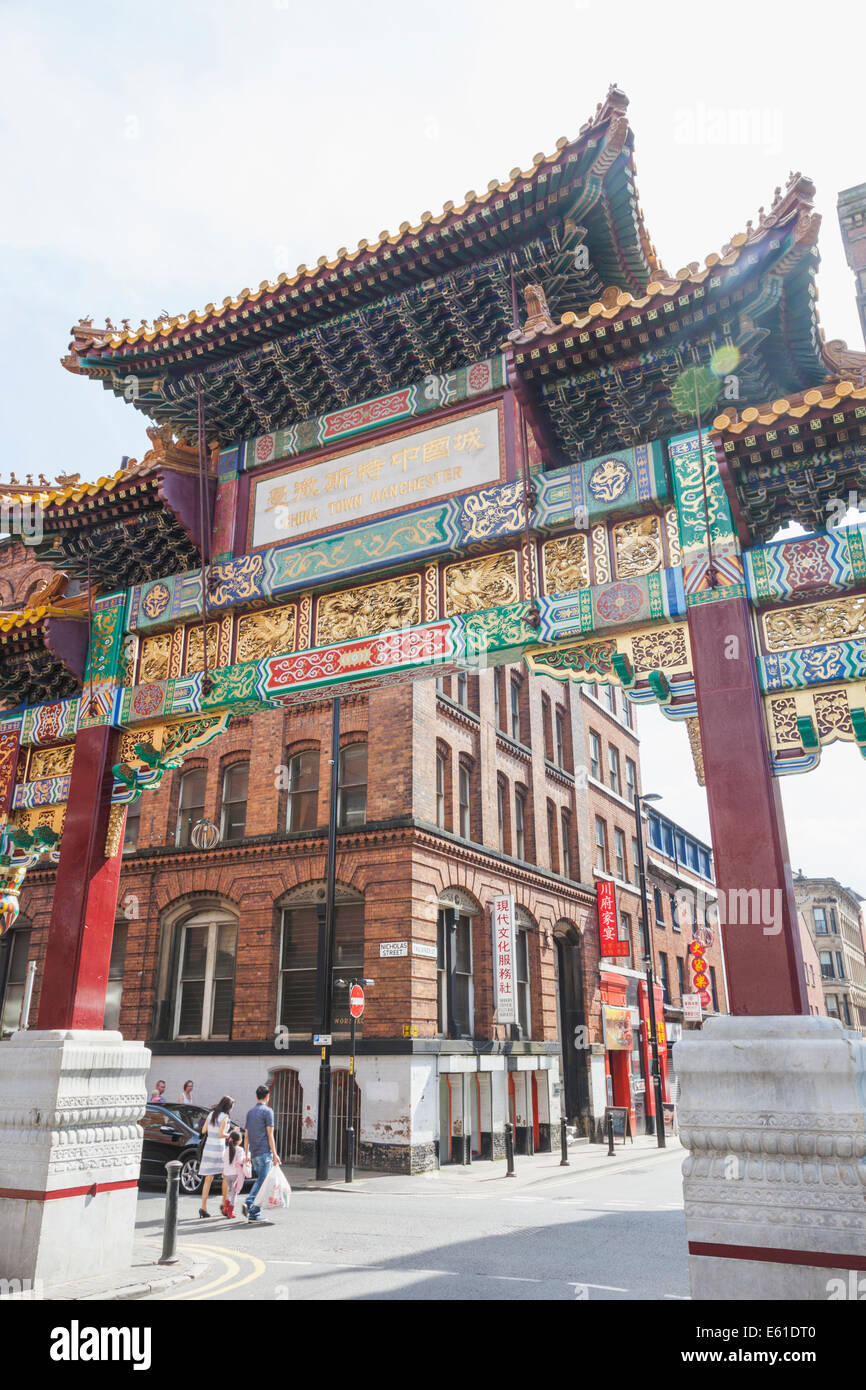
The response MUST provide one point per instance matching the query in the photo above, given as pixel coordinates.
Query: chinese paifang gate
(504, 432)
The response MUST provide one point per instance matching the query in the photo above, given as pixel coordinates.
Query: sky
(161, 157)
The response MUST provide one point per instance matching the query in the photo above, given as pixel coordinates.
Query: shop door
(481, 1112)
(451, 1118)
(573, 1032)
(520, 1109)
(541, 1111)
(340, 1117)
(287, 1103)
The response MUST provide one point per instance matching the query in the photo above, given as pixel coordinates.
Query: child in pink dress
(233, 1172)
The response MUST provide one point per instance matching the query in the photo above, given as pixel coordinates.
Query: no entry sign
(356, 1001)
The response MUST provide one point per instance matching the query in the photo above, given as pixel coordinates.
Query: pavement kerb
(539, 1168)
(169, 1277)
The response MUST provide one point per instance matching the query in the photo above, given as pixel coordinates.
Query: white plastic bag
(274, 1192)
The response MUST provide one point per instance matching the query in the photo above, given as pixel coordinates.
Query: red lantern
(701, 982)
(699, 965)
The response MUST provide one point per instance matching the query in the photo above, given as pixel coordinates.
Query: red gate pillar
(763, 959)
(68, 1194)
(770, 1108)
(757, 911)
(75, 974)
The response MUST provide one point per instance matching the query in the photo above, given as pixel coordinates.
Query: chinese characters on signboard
(456, 455)
(608, 926)
(692, 1012)
(504, 975)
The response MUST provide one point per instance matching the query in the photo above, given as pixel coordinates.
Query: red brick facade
(479, 785)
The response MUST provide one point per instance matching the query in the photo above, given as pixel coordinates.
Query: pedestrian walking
(260, 1147)
(185, 1096)
(158, 1093)
(215, 1129)
(233, 1171)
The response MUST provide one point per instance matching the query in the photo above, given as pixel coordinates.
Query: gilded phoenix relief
(478, 584)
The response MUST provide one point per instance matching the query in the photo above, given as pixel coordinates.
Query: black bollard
(350, 1151)
(610, 1152)
(509, 1149)
(563, 1143)
(169, 1233)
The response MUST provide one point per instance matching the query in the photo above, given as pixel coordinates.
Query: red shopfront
(628, 1049)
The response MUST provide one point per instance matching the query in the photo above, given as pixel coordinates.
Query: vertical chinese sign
(608, 926)
(700, 975)
(504, 982)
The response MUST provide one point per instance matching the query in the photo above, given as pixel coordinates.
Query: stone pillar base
(70, 1152)
(773, 1113)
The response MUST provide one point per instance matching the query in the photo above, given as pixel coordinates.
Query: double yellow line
(233, 1278)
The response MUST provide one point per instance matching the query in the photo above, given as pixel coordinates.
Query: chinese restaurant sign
(504, 983)
(608, 932)
(457, 454)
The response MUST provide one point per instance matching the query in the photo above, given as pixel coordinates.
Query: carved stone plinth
(773, 1113)
(70, 1152)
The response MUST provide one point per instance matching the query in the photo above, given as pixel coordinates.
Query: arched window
(303, 803)
(132, 826)
(502, 818)
(514, 708)
(456, 1006)
(111, 1019)
(565, 820)
(352, 803)
(236, 779)
(301, 921)
(551, 837)
(561, 740)
(205, 982)
(190, 806)
(440, 788)
(465, 802)
(521, 962)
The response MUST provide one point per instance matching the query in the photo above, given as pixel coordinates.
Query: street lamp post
(650, 982)
(324, 1005)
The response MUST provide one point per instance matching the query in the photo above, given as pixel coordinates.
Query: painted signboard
(608, 926)
(459, 453)
(618, 1028)
(504, 974)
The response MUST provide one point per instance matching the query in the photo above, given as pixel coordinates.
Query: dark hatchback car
(172, 1131)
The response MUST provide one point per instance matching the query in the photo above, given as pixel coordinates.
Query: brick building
(833, 915)
(452, 792)
(683, 911)
(811, 970)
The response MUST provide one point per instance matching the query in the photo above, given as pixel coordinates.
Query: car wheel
(190, 1178)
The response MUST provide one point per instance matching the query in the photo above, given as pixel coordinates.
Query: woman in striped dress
(215, 1129)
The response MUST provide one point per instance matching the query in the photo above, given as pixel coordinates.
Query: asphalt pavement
(601, 1229)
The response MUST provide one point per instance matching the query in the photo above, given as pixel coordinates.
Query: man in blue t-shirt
(259, 1147)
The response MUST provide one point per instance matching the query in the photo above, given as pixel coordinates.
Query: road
(607, 1232)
